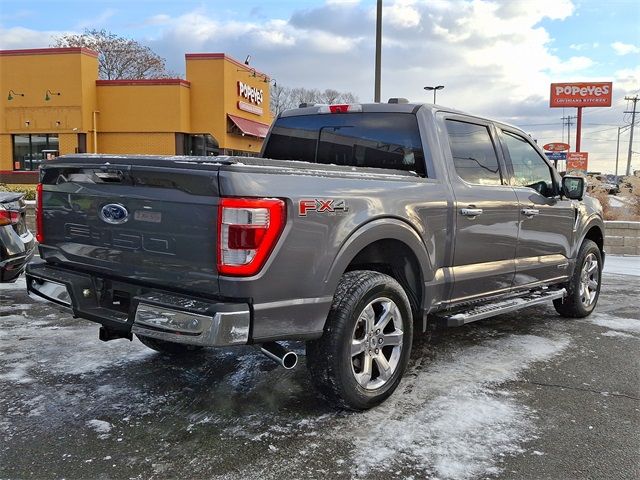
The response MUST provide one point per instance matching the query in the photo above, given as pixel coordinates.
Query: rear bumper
(149, 312)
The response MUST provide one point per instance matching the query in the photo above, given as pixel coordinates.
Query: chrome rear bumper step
(492, 309)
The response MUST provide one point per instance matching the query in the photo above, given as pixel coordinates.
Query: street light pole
(376, 93)
(438, 87)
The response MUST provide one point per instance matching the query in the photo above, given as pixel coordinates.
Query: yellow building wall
(131, 107)
(6, 153)
(134, 117)
(70, 72)
(135, 143)
(206, 78)
(214, 94)
(67, 143)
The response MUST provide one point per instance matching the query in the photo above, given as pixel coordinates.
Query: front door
(486, 212)
(545, 220)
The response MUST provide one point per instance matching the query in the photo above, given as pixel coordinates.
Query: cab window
(529, 169)
(474, 156)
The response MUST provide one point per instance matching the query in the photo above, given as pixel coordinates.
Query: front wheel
(361, 357)
(583, 289)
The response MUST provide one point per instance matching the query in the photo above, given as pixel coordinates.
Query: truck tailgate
(148, 220)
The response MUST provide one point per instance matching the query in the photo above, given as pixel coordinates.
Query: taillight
(248, 229)
(8, 217)
(340, 108)
(39, 230)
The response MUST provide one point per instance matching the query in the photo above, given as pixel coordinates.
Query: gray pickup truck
(359, 225)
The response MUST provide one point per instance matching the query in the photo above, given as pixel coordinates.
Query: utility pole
(633, 123)
(618, 150)
(376, 94)
(568, 121)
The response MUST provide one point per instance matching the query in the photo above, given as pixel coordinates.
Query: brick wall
(622, 238)
(137, 143)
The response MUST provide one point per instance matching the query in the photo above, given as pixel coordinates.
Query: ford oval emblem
(114, 213)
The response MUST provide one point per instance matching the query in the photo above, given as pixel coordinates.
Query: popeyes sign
(585, 94)
(250, 93)
(254, 97)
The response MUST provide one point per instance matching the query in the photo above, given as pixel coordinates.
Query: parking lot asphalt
(524, 395)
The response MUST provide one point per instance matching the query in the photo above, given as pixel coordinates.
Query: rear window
(378, 140)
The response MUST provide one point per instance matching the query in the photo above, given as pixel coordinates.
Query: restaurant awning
(250, 127)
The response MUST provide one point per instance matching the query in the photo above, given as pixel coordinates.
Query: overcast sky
(495, 58)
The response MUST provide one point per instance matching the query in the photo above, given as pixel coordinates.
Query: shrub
(28, 190)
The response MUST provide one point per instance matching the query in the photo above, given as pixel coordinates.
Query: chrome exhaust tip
(280, 354)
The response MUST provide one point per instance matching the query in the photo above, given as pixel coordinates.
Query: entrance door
(486, 212)
(545, 221)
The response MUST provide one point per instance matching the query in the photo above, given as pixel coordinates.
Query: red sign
(587, 94)
(556, 147)
(577, 161)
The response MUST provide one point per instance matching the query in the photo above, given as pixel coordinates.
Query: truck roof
(392, 107)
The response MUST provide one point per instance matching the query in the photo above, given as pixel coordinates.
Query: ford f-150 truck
(359, 225)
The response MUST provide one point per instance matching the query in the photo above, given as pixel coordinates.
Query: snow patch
(613, 333)
(446, 419)
(19, 284)
(616, 323)
(100, 426)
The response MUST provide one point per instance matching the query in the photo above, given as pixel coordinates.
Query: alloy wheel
(376, 343)
(589, 277)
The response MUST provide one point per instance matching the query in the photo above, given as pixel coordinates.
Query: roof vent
(306, 104)
(398, 100)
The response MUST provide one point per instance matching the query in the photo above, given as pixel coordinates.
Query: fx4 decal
(321, 205)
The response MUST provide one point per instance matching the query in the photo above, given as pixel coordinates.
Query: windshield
(379, 140)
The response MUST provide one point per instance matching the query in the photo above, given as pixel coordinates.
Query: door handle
(471, 212)
(530, 212)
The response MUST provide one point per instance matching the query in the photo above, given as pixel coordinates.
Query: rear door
(486, 211)
(150, 223)
(545, 220)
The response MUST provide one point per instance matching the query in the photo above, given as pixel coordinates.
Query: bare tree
(279, 99)
(118, 57)
(283, 98)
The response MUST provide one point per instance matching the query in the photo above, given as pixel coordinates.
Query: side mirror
(574, 188)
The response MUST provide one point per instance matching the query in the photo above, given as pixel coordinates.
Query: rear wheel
(583, 289)
(365, 348)
(170, 348)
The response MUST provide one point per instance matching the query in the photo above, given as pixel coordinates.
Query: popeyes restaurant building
(54, 104)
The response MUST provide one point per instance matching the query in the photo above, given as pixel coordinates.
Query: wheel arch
(389, 246)
(594, 231)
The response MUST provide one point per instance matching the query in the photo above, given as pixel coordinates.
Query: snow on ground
(618, 324)
(19, 284)
(449, 419)
(100, 426)
(628, 265)
(614, 333)
(74, 350)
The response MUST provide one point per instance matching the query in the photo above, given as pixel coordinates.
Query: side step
(487, 310)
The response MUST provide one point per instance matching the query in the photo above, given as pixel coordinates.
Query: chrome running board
(491, 309)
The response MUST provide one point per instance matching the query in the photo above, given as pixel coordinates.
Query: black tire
(170, 348)
(575, 304)
(330, 360)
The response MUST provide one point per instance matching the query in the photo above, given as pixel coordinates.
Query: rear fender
(380, 229)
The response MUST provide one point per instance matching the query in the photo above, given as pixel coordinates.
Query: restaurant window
(196, 145)
(29, 151)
